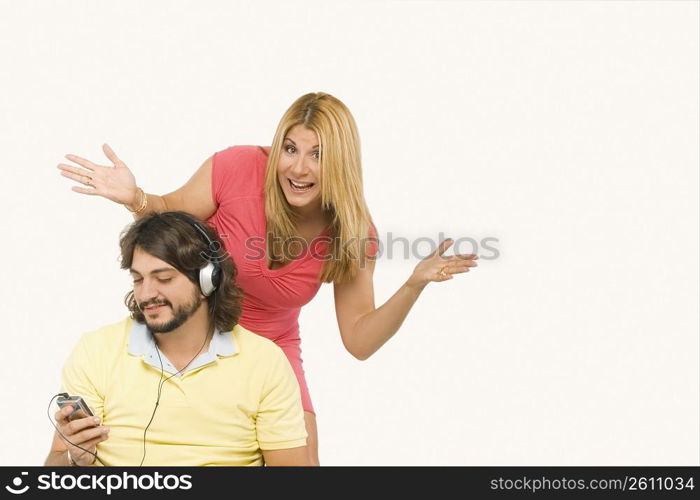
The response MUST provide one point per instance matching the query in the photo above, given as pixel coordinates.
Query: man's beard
(180, 315)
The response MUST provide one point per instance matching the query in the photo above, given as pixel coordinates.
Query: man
(179, 382)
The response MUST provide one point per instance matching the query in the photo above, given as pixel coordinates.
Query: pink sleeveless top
(272, 298)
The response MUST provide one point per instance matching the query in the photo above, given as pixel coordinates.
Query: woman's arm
(117, 183)
(364, 328)
(195, 197)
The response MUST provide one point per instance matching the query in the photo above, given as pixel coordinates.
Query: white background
(567, 130)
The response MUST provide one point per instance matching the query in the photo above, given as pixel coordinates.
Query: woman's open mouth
(300, 187)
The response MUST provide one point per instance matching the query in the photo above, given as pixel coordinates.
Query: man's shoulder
(250, 343)
(108, 336)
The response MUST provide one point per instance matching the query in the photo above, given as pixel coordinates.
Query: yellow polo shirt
(235, 400)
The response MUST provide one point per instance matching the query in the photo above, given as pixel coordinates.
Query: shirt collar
(142, 343)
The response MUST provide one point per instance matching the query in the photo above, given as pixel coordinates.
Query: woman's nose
(299, 168)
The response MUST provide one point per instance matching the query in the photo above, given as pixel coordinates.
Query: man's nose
(147, 291)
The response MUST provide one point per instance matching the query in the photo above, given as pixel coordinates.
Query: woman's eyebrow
(288, 139)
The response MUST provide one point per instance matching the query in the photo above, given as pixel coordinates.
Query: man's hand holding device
(78, 425)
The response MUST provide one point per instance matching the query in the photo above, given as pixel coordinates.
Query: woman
(292, 216)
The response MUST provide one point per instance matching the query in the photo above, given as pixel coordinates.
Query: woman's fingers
(459, 266)
(457, 270)
(82, 162)
(464, 256)
(89, 191)
(115, 183)
(83, 178)
(463, 259)
(74, 170)
(453, 265)
(444, 276)
(462, 263)
(111, 155)
(458, 260)
(442, 247)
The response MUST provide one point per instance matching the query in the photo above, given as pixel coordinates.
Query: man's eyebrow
(288, 139)
(155, 271)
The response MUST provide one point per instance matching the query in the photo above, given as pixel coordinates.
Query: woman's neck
(312, 216)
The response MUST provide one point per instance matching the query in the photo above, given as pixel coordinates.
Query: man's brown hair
(177, 242)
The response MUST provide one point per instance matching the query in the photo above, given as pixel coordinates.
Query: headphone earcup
(216, 276)
(209, 278)
(210, 274)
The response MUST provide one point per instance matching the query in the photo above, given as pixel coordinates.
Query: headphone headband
(210, 274)
(195, 224)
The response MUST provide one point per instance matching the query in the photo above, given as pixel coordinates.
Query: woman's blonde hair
(342, 196)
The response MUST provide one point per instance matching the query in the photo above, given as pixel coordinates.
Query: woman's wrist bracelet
(142, 206)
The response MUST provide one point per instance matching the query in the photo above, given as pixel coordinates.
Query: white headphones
(210, 274)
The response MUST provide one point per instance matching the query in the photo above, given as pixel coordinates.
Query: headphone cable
(161, 382)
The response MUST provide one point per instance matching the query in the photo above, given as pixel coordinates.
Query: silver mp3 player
(80, 407)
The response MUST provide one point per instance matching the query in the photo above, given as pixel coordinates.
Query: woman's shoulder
(238, 171)
(238, 154)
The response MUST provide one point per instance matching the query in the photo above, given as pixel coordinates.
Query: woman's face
(299, 171)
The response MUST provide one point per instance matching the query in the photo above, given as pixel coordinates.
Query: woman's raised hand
(435, 267)
(115, 182)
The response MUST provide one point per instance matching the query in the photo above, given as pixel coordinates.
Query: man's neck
(188, 340)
